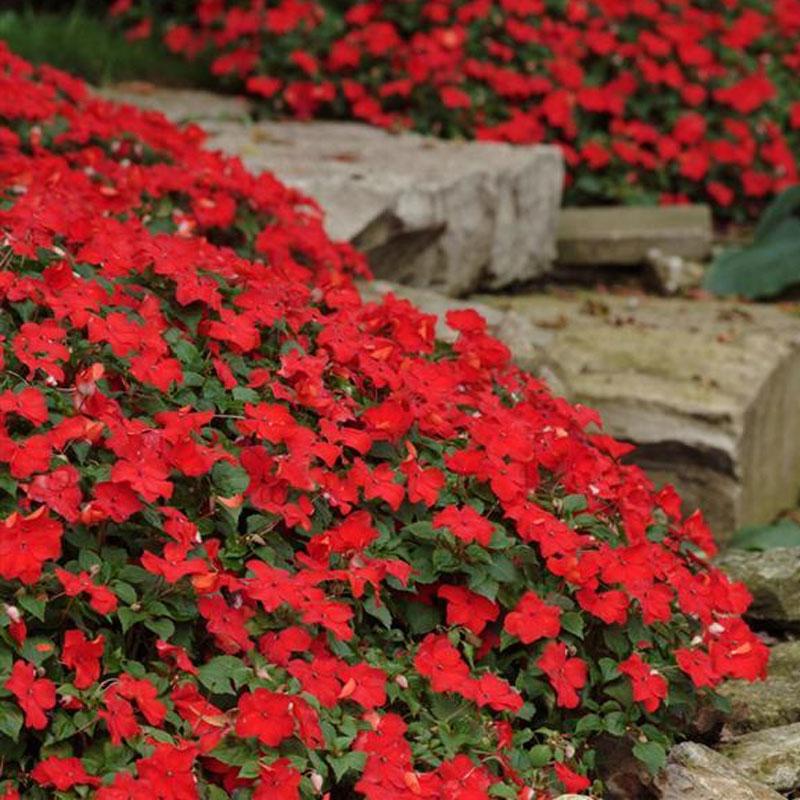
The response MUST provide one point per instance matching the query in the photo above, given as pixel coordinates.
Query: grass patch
(86, 45)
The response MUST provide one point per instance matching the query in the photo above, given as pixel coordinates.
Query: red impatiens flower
(467, 608)
(442, 664)
(265, 715)
(533, 619)
(278, 781)
(465, 523)
(649, 686)
(102, 599)
(26, 543)
(35, 695)
(572, 782)
(62, 774)
(567, 675)
(697, 665)
(83, 656)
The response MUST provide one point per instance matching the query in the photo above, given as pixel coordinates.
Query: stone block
(709, 391)
(453, 216)
(773, 578)
(615, 236)
(695, 772)
(180, 105)
(771, 757)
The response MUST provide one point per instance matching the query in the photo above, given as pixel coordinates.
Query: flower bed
(668, 100)
(261, 539)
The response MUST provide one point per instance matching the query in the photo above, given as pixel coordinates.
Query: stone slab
(615, 236)
(453, 216)
(180, 105)
(773, 578)
(709, 391)
(695, 772)
(771, 757)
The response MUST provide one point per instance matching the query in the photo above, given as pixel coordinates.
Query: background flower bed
(261, 539)
(654, 100)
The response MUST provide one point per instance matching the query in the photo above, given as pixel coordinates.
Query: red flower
(62, 774)
(567, 675)
(26, 543)
(697, 665)
(35, 695)
(572, 782)
(265, 715)
(278, 781)
(83, 656)
(465, 523)
(442, 664)
(467, 608)
(649, 686)
(532, 619)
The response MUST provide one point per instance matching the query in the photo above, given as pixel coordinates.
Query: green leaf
(540, 755)
(10, 720)
(353, 761)
(572, 622)
(652, 754)
(221, 675)
(784, 533)
(763, 270)
(379, 612)
(229, 480)
(614, 723)
(163, 626)
(33, 605)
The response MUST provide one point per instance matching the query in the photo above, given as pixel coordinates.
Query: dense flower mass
(261, 539)
(673, 100)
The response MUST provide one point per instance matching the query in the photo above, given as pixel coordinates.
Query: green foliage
(784, 533)
(772, 263)
(82, 42)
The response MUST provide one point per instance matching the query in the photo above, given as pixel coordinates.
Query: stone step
(455, 216)
(709, 391)
(695, 772)
(623, 236)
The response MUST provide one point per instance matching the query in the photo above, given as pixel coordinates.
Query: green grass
(87, 45)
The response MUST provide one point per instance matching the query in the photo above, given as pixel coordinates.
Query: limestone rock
(609, 235)
(769, 703)
(773, 578)
(452, 216)
(671, 274)
(709, 391)
(180, 105)
(695, 772)
(771, 756)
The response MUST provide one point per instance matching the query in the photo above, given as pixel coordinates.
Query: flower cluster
(668, 100)
(261, 539)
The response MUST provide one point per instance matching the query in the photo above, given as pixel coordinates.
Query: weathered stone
(768, 703)
(695, 772)
(773, 578)
(448, 215)
(613, 236)
(671, 274)
(527, 343)
(180, 105)
(771, 757)
(708, 391)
